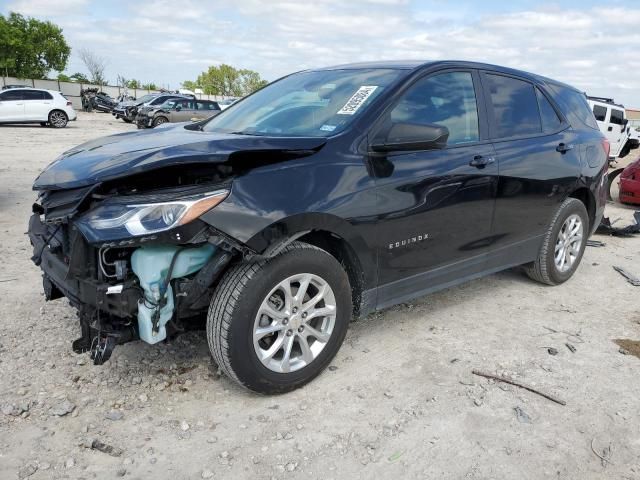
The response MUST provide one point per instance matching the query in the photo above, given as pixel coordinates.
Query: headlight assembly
(116, 220)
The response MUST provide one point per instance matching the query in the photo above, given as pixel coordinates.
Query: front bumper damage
(143, 120)
(109, 305)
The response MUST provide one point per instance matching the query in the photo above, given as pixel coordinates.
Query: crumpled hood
(129, 153)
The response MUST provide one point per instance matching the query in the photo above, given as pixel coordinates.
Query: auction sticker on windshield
(357, 100)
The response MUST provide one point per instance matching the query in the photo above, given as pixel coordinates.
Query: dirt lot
(400, 400)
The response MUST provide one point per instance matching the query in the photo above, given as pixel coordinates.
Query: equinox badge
(408, 241)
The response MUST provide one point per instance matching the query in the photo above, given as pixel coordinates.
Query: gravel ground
(399, 400)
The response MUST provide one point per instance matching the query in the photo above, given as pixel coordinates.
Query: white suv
(32, 105)
(612, 121)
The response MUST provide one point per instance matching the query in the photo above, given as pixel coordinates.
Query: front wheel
(276, 324)
(159, 121)
(563, 244)
(58, 119)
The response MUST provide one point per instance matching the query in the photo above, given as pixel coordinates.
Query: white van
(611, 118)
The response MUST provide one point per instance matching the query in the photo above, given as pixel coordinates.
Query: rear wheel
(274, 325)
(563, 244)
(159, 121)
(58, 119)
(127, 120)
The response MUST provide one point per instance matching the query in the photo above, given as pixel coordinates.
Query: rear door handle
(564, 147)
(480, 162)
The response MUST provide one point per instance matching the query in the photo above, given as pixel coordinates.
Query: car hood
(127, 103)
(125, 154)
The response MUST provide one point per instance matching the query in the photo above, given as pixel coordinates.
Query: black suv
(328, 194)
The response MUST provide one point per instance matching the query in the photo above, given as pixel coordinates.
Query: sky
(593, 45)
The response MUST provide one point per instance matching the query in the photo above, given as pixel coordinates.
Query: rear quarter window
(575, 106)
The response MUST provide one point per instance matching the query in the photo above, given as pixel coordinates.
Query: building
(633, 115)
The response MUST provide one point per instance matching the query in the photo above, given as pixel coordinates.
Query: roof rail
(601, 99)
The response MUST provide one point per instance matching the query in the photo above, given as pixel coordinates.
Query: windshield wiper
(254, 134)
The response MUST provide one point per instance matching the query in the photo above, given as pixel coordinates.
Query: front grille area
(59, 205)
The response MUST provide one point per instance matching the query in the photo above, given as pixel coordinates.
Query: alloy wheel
(294, 323)
(58, 119)
(568, 243)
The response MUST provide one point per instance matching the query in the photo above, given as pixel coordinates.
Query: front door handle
(564, 147)
(480, 162)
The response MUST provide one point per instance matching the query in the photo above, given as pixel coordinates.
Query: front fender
(285, 201)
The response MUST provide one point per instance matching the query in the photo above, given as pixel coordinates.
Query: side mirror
(413, 136)
(624, 124)
(178, 108)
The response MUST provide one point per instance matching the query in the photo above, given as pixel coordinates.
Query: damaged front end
(136, 266)
(118, 230)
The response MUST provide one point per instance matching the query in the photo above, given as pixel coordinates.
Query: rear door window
(617, 117)
(550, 119)
(447, 99)
(600, 112)
(515, 106)
(33, 95)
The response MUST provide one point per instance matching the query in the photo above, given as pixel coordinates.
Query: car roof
(423, 64)
(31, 89)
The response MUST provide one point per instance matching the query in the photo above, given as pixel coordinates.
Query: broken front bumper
(60, 271)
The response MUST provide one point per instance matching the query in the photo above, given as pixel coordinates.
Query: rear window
(575, 106)
(617, 117)
(515, 106)
(600, 112)
(207, 105)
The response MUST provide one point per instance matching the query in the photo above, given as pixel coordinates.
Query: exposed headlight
(116, 220)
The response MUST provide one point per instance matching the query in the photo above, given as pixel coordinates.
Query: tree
(30, 48)
(227, 80)
(134, 84)
(63, 78)
(149, 86)
(189, 85)
(95, 64)
(79, 77)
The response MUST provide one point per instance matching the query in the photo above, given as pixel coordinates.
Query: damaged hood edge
(122, 155)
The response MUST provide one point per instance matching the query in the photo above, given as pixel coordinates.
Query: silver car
(176, 110)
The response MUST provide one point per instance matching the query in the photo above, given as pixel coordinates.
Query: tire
(127, 120)
(58, 119)
(233, 318)
(611, 178)
(545, 269)
(159, 121)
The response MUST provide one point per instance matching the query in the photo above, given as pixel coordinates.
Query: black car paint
(473, 220)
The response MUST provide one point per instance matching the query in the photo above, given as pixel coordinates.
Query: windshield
(146, 98)
(316, 104)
